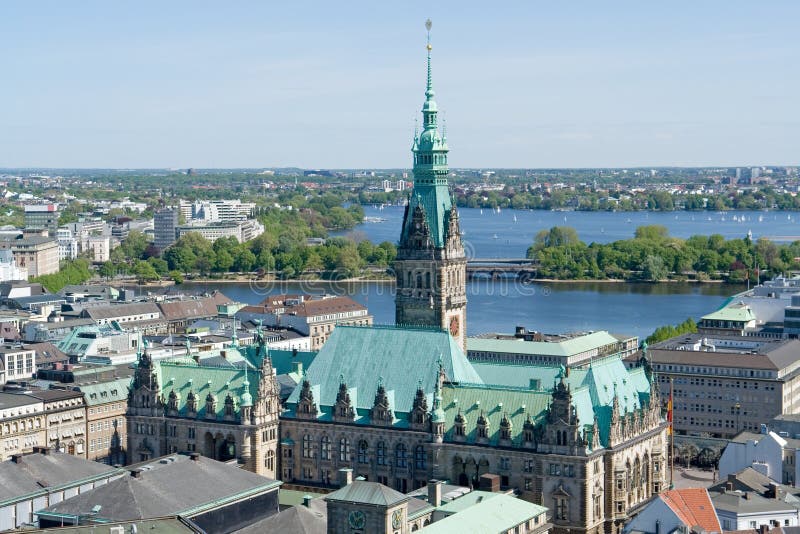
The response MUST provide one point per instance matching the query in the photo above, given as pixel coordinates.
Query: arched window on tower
(325, 448)
(419, 281)
(269, 460)
(427, 280)
(363, 452)
(380, 453)
(344, 450)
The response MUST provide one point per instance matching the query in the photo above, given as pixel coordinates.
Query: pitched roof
(104, 392)
(37, 471)
(693, 507)
(168, 478)
(193, 308)
(365, 492)
(295, 520)
(46, 353)
(403, 357)
(750, 503)
(500, 513)
(733, 312)
(119, 310)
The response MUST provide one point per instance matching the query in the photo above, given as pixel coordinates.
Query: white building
(739, 510)
(241, 230)
(98, 247)
(678, 510)
(9, 269)
(67, 244)
(770, 454)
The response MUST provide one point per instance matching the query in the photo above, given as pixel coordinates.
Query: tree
(653, 268)
(653, 231)
(144, 271)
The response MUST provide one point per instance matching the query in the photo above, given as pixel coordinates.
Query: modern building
(242, 231)
(431, 264)
(726, 384)
(37, 254)
(768, 453)
(313, 316)
(122, 313)
(36, 480)
(738, 510)
(217, 497)
(165, 225)
(67, 244)
(220, 210)
(18, 363)
(42, 217)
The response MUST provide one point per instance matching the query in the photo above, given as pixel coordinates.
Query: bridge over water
(520, 268)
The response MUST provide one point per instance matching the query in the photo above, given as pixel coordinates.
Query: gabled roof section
(693, 507)
(402, 357)
(365, 492)
(193, 308)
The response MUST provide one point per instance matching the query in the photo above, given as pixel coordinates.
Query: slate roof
(365, 492)
(501, 513)
(295, 520)
(736, 503)
(402, 357)
(12, 400)
(168, 486)
(161, 525)
(193, 308)
(113, 311)
(693, 507)
(46, 353)
(39, 472)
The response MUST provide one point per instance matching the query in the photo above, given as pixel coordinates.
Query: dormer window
(460, 425)
(483, 427)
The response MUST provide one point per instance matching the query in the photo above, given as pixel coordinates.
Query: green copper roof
(431, 190)
(103, 392)
(364, 492)
(733, 312)
(401, 358)
(500, 513)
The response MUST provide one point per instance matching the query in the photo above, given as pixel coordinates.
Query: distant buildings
(165, 226)
(38, 254)
(243, 230)
(9, 270)
(42, 217)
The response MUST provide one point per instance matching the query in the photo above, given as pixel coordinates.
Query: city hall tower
(431, 264)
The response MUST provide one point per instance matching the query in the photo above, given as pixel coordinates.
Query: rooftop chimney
(345, 477)
(297, 367)
(435, 493)
(16, 458)
(136, 473)
(306, 500)
(195, 456)
(42, 450)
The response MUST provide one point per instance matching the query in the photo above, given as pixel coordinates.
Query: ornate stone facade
(207, 404)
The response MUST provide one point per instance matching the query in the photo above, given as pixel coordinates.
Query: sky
(535, 84)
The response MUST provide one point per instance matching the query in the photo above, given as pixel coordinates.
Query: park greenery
(662, 333)
(653, 255)
(71, 272)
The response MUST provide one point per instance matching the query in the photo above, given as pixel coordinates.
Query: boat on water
(515, 218)
(370, 219)
(629, 220)
(495, 236)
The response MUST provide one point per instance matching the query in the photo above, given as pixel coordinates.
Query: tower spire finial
(429, 90)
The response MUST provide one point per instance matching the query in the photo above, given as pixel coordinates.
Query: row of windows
(382, 454)
(108, 424)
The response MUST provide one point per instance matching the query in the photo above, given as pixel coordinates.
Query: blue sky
(338, 84)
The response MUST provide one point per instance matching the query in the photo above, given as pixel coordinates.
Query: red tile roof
(693, 506)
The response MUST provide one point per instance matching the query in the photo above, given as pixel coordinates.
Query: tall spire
(429, 89)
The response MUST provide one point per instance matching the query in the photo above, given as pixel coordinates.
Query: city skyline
(255, 86)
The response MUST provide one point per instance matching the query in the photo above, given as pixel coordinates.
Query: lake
(500, 305)
(508, 234)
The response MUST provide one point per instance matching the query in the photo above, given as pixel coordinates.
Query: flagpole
(671, 437)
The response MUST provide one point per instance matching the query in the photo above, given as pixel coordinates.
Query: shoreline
(277, 281)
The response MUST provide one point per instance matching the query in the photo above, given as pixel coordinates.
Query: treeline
(653, 255)
(662, 333)
(282, 249)
(70, 272)
(588, 199)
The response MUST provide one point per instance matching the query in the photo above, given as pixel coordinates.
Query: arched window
(419, 457)
(307, 446)
(325, 448)
(380, 453)
(400, 455)
(419, 280)
(427, 280)
(344, 450)
(269, 460)
(363, 452)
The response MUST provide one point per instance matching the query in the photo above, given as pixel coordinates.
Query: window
(191, 432)
(528, 484)
(325, 448)
(363, 452)
(527, 466)
(307, 446)
(561, 509)
(419, 457)
(344, 450)
(555, 470)
(269, 460)
(380, 453)
(400, 458)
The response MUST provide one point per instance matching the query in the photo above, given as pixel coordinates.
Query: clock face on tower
(455, 326)
(397, 518)
(356, 519)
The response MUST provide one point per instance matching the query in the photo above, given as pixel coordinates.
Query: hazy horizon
(338, 86)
